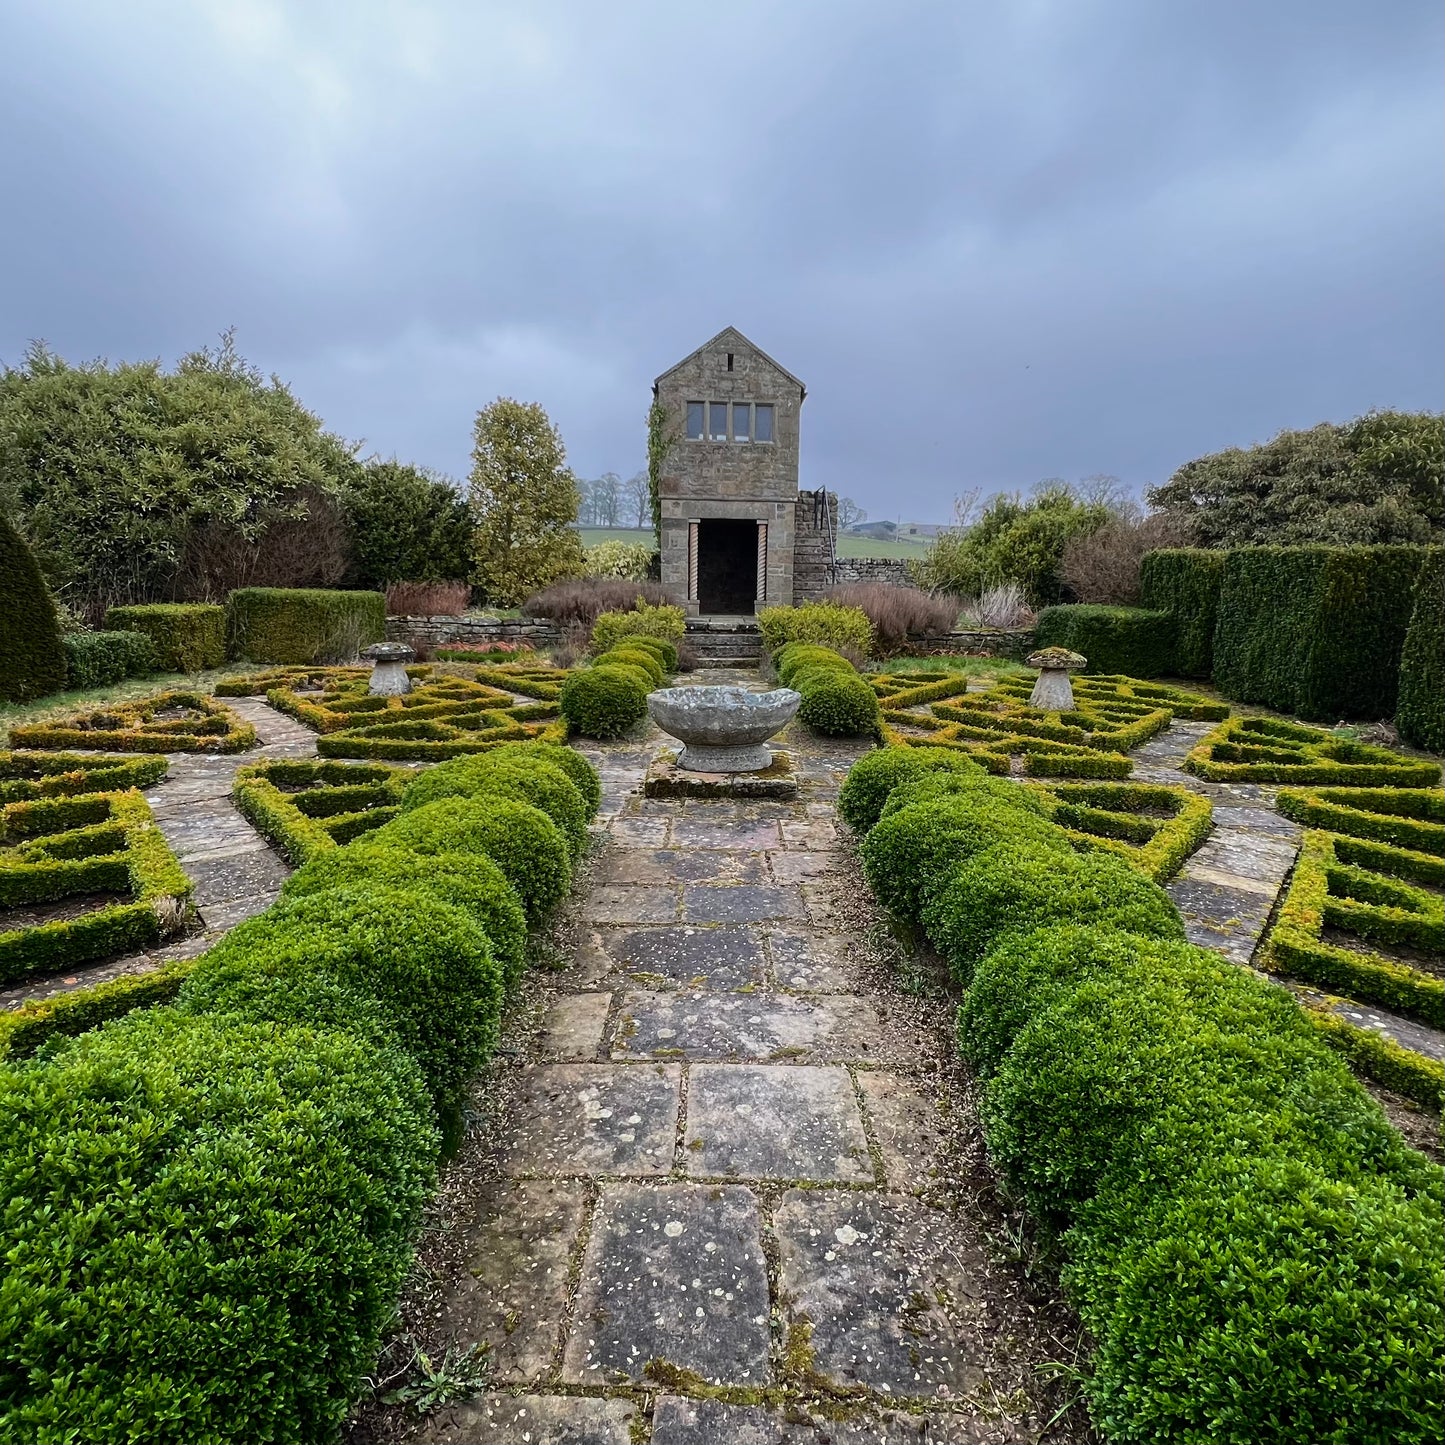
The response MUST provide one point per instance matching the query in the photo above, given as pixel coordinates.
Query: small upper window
(763, 422)
(717, 421)
(730, 361)
(694, 421)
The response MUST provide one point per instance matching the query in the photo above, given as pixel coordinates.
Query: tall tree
(524, 501)
(850, 513)
(606, 495)
(639, 499)
(1378, 479)
(408, 524)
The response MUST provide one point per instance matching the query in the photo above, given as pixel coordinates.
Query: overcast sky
(998, 241)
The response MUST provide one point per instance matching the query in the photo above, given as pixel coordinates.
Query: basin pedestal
(725, 732)
(388, 668)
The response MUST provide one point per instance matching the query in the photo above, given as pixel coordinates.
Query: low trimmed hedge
(520, 839)
(1377, 1056)
(662, 622)
(207, 726)
(26, 775)
(1225, 1192)
(1411, 818)
(96, 659)
(1263, 750)
(1131, 640)
(302, 624)
(873, 777)
(305, 808)
(207, 1225)
(603, 702)
(97, 843)
(824, 623)
(186, 636)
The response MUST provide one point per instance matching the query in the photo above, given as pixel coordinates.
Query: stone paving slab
(905, 1125)
(808, 960)
(577, 1119)
(514, 1294)
(775, 1121)
(679, 1421)
(800, 865)
(707, 831)
(690, 865)
(533, 1419)
(574, 1026)
(674, 1273)
(741, 904)
(720, 957)
(885, 1296)
(617, 903)
(766, 1027)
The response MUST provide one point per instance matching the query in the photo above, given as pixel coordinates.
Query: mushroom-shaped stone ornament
(1053, 692)
(388, 668)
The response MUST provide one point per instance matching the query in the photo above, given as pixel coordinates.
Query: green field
(847, 546)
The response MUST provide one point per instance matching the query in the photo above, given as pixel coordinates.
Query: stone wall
(982, 643)
(893, 570)
(813, 547)
(437, 631)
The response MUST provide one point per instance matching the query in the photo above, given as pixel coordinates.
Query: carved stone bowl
(724, 729)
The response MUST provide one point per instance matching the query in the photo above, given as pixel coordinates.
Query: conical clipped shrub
(33, 657)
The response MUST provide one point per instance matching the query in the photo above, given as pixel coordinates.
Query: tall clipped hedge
(32, 660)
(1315, 631)
(1132, 640)
(302, 624)
(1420, 712)
(187, 636)
(1185, 582)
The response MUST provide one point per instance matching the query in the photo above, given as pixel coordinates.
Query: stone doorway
(727, 567)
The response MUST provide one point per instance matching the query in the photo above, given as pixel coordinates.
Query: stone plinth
(666, 780)
(725, 729)
(388, 668)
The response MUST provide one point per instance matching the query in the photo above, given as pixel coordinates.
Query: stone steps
(730, 642)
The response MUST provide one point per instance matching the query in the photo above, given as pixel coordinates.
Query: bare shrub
(427, 599)
(572, 650)
(585, 599)
(308, 545)
(1003, 606)
(687, 657)
(1104, 566)
(898, 613)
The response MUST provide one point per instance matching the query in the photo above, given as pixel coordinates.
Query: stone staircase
(725, 641)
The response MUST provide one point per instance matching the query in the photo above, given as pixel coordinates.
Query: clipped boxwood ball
(460, 777)
(910, 851)
(208, 1223)
(841, 705)
(521, 840)
(426, 963)
(528, 780)
(797, 656)
(583, 774)
(629, 656)
(942, 785)
(660, 647)
(874, 776)
(630, 667)
(469, 881)
(1012, 886)
(603, 702)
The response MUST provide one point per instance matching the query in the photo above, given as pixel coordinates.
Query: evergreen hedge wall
(302, 624)
(1315, 631)
(33, 658)
(1184, 581)
(188, 636)
(1420, 714)
(1131, 640)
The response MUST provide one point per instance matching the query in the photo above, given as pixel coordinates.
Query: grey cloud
(998, 242)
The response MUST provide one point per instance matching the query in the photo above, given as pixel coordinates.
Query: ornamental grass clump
(521, 840)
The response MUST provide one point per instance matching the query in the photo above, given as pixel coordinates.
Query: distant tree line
(608, 501)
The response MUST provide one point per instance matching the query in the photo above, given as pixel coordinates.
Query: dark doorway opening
(727, 567)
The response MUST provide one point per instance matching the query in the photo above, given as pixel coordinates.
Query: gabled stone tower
(729, 483)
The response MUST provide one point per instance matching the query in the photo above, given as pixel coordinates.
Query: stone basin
(724, 729)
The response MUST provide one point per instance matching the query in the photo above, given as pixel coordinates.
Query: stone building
(736, 533)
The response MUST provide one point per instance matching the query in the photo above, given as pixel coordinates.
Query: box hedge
(96, 659)
(28, 775)
(187, 636)
(603, 702)
(1185, 582)
(1133, 641)
(302, 624)
(824, 623)
(664, 622)
(1316, 632)
(207, 1225)
(34, 659)
(1420, 707)
(874, 776)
